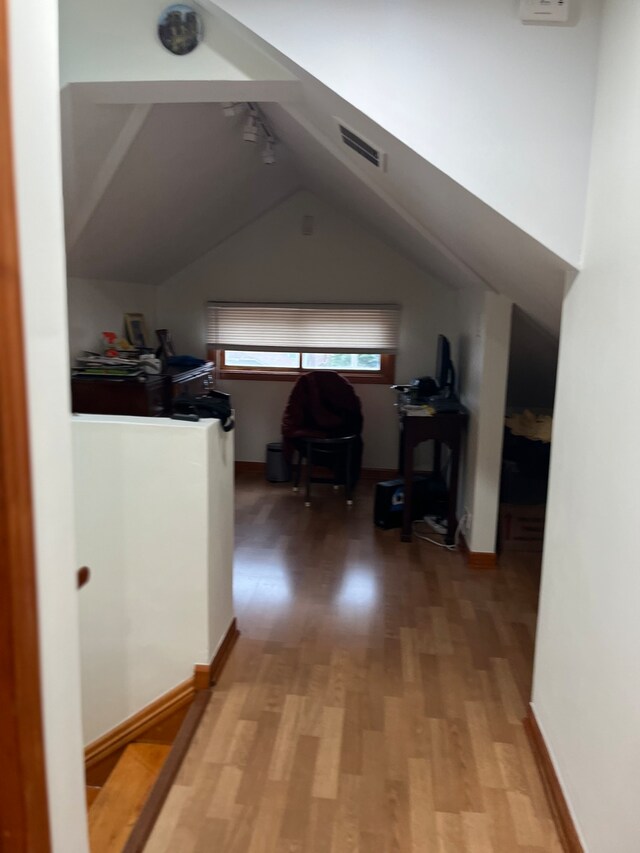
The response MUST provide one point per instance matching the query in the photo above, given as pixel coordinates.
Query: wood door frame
(24, 816)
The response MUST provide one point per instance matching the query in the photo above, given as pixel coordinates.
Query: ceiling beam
(107, 170)
(187, 91)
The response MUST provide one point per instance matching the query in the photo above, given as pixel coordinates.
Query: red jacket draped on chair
(322, 404)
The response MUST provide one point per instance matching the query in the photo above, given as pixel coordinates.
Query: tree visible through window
(307, 360)
(340, 361)
(249, 358)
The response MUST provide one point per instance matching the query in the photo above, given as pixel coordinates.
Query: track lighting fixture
(254, 127)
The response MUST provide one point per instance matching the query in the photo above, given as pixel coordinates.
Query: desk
(443, 429)
(150, 397)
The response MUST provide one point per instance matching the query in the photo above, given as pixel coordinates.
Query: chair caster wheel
(349, 503)
(307, 503)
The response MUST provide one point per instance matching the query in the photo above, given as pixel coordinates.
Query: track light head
(250, 133)
(268, 153)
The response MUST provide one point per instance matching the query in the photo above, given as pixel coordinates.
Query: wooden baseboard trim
(482, 559)
(242, 467)
(101, 754)
(249, 467)
(134, 727)
(380, 474)
(478, 559)
(205, 675)
(151, 809)
(555, 795)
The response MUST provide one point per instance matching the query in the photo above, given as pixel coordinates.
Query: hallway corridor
(373, 701)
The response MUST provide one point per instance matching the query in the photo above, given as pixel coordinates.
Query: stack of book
(92, 364)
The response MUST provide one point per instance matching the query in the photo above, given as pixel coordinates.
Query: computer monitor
(445, 372)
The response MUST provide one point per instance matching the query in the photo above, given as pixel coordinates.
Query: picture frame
(166, 348)
(136, 330)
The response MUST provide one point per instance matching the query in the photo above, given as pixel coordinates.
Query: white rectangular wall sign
(544, 11)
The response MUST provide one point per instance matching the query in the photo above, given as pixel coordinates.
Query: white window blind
(303, 328)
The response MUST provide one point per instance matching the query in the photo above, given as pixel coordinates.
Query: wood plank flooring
(116, 807)
(373, 702)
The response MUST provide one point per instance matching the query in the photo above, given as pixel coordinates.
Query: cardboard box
(521, 527)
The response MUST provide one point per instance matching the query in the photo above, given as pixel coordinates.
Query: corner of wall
(484, 359)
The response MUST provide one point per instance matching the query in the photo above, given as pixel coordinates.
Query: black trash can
(278, 469)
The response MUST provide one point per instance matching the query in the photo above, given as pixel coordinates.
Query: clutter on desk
(120, 360)
(150, 364)
(130, 357)
(421, 410)
(411, 406)
(92, 364)
(427, 396)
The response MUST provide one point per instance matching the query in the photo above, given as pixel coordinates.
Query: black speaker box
(429, 496)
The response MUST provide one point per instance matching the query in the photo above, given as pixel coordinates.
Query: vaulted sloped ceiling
(164, 182)
(185, 184)
(503, 108)
(421, 211)
(187, 181)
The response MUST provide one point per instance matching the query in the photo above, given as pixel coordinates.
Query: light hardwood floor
(373, 702)
(119, 802)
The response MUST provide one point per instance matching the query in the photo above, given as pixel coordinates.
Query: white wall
(586, 691)
(154, 511)
(493, 386)
(470, 353)
(98, 306)
(467, 86)
(120, 42)
(36, 137)
(270, 260)
(483, 354)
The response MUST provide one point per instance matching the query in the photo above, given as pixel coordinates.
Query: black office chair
(322, 424)
(333, 453)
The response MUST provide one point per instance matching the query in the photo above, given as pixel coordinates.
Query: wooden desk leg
(437, 458)
(401, 435)
(307, 494)
(453, 492)
(408, 489)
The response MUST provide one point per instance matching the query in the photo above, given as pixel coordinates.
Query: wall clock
(180, 29)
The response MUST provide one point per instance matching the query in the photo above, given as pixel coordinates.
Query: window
(248, 358)
(341, 360)
(270, 341)
(359, 368)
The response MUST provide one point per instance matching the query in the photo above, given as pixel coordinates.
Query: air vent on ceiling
(365, 149)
